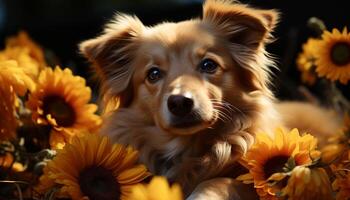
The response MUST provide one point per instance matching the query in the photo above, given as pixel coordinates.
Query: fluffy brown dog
(192, 94)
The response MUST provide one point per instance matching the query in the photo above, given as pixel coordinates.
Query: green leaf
(290, 164)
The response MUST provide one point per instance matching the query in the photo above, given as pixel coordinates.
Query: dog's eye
(154, 74)
(208, 66)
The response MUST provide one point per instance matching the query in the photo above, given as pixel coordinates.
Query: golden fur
(234, 103)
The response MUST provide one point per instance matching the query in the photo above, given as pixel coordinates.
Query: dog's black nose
(180, 105)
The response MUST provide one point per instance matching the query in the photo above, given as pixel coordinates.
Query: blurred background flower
(333, 55)
(27, 53)
(13, 82)
(306, 61)
(341, 183)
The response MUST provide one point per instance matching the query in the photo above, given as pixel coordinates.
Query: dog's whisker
(226, 111)
(223, 116)
(221, 104)
(220, 109)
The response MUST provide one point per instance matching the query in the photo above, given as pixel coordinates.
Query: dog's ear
(112, 52)
(247, 30)
(240, 24)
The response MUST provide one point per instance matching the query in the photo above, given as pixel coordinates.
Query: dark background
(59, 25)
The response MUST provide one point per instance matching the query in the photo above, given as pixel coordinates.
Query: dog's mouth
(190, 120)
(187, 114)
(190, 123)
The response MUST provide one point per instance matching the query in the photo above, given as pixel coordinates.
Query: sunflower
(61, 101)
(336, 149)
(308, 183)
(333, 56)
(342, 185)
(22, 55)
(308, 77)
(342, 182)
(13, 82)
(90, 167)
(26, 52)
(338, 144)
(157, 189)
(332, 152)
(280, 154)
(306, 61)
(23, 40)
(11, 75)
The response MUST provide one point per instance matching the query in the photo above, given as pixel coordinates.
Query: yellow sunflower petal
(306, 61)
(306, 183)
(133, 175)
(157, 189)
(268, 157)
(61, 100)
(34, 50)
(81, 171)
(57, 140)
(11, 74)
(333, 56)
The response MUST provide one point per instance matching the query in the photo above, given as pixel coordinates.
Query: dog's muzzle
(182, 111)
(180, 105)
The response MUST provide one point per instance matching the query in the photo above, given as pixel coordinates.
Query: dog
(192, 95)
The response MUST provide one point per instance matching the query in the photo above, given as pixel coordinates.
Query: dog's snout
(180, 105)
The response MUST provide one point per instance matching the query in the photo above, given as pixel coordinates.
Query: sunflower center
(60, 110)
(340, 53)
(99, 183)
(274, 165)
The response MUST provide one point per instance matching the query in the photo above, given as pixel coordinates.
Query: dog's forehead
(180, 35)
